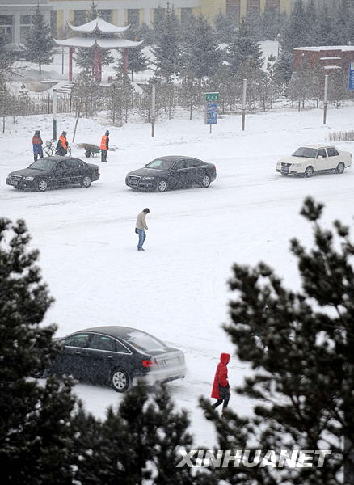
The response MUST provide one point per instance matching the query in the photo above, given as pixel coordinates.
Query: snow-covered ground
(177, 289)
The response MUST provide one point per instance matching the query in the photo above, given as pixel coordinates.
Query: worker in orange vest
(104, 146)
(62, 145)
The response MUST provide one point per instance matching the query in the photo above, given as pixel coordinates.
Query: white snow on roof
(104, 43)
(329, 58)
(332, 67)
(326, 48)
(99, 25)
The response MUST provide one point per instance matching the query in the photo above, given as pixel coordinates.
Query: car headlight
(28, 178)
(148, 178)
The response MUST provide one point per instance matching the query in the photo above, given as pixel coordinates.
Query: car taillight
(147, 363)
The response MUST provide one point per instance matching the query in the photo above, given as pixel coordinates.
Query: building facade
(15, 15)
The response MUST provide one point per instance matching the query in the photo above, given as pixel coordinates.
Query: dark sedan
(54, 172)
(119, 357)
(172, 172)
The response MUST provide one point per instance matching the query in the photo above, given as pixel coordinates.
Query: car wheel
(120, 380)
(340, 167)
(162, 185)
(309, 171)
(86, 182)
(205, 182)
(42, 185)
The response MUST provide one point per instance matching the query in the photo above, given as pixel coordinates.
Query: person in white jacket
(141, 227)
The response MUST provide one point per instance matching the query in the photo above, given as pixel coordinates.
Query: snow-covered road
(176, 289)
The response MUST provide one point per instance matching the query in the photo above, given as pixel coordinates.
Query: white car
(311, 159)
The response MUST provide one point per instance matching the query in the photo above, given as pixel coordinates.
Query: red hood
(224, 358)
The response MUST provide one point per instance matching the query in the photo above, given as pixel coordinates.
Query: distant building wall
(327, 57)
(16, 18)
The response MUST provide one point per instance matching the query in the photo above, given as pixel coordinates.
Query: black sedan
(54, 172)
(172, 172)
(119, 357)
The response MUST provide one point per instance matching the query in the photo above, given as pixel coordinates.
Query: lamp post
(325, 100)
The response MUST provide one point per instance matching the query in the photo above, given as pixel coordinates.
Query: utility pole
(325, 100)
(244, 98)
(153, 96)
(55, 107)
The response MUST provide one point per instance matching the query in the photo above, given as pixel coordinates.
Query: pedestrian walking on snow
(37, 143)
(221, 386)
(104, 146)
(141, 227)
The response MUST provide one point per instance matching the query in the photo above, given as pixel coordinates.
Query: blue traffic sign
(211, 113)
(351, 77)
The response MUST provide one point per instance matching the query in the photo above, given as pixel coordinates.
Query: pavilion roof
(98, 25)
(88, 42)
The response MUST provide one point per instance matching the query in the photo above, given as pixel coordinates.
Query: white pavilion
(90, 35)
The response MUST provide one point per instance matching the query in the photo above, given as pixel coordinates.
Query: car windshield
(145, 342)
(159, 164)
(43, 164)
(305, 152)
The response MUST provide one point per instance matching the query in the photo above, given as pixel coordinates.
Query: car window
(160, 164)
(43, 164)
(145, 342)
(77, 340)
(305, 152)
(103, 342)
(322, 152)
(122, 348)
(332, 152)
(72, 163)
(181, 164)
(194, 162)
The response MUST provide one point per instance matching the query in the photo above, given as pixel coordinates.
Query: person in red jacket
(37, 143)
(221, 386)
(104, 146)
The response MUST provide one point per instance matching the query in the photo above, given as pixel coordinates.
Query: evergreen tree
(35, 433)
(225, 28)
(201, 55)
(166, 49)
(244, 51)
(136, 60)
(39, 43)
(283, 69)
(296, 29)
(300, 345)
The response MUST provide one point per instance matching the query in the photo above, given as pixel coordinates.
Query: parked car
(308, 160)
(119, 357)
(172, 172)
(53, 172)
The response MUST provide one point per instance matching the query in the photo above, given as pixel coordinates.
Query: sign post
(244, 99)
(55, 104)
(325, 100)
(153, 108)
(211, 109)
(351, 77)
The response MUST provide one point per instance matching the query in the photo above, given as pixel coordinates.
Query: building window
(133, 16)
(272, 4)
(232, 10)
(106, 15)
(80, 17)
(186, 14)
(253, 7)
(6, 28)
(159, 14)
(25, 27)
